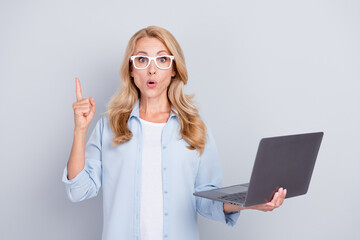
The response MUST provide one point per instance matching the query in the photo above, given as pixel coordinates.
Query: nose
(152, 67)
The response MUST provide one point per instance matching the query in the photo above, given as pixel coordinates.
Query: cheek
(138, 82)
(138, 77)
(167, 77)
(167, 82)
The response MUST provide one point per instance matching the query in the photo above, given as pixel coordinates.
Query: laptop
(284, 161)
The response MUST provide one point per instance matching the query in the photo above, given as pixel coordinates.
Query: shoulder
(102, 122)
(209, 137)
(103, 119)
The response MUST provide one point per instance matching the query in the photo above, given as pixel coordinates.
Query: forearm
(228, 208)
(76, 161)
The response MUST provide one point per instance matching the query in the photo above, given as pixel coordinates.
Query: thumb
(92, 108)
(92, 102)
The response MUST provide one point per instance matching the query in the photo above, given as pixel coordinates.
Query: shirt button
(164, 168)
(166, 214)
(165, 235)
(164, 147)
(165, 191)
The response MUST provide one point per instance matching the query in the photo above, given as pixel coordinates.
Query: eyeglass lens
(161, 61)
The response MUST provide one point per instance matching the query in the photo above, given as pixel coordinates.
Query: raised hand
(84, 109)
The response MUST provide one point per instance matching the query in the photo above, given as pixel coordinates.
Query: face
(162, 77)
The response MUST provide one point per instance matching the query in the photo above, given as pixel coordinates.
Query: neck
(153, 105)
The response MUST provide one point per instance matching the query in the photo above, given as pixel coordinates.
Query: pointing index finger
(78, 90)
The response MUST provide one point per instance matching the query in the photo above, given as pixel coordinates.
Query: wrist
(80, 131)
(80, 134)
(229, 208)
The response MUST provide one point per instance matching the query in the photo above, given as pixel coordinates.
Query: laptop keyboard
(238, 197)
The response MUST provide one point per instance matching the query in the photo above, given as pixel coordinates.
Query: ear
(173, 73)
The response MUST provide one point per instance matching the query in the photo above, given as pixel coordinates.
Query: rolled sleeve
(87, 182)
(209, 177)
(227, 218)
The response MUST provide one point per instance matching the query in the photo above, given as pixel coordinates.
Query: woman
(150, 151)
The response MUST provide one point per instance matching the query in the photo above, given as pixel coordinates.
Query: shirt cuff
(73, 180)
(229, 219)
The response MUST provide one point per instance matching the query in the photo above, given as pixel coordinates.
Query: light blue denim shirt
(118, 171)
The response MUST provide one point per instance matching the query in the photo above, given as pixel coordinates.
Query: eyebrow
(147, 53)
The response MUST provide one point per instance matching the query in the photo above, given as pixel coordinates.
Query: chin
(151, 93)
(146, 94)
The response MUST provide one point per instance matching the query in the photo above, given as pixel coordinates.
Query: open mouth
(151, 83)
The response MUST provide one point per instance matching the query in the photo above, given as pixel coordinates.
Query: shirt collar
(135, 111)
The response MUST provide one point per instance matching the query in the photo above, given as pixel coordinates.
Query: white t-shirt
(151, 200)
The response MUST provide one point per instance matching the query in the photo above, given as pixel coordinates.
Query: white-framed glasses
(142, 62)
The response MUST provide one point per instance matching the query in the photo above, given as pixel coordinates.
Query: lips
(151, 83)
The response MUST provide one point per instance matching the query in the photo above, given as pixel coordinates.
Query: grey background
(258, 69)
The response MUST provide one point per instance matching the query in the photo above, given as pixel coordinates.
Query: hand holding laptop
(286, 161)
(276, 202)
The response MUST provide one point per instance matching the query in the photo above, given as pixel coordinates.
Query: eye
(142, 59)
(162, 59)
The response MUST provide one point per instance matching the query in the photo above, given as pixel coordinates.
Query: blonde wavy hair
(192, 128)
